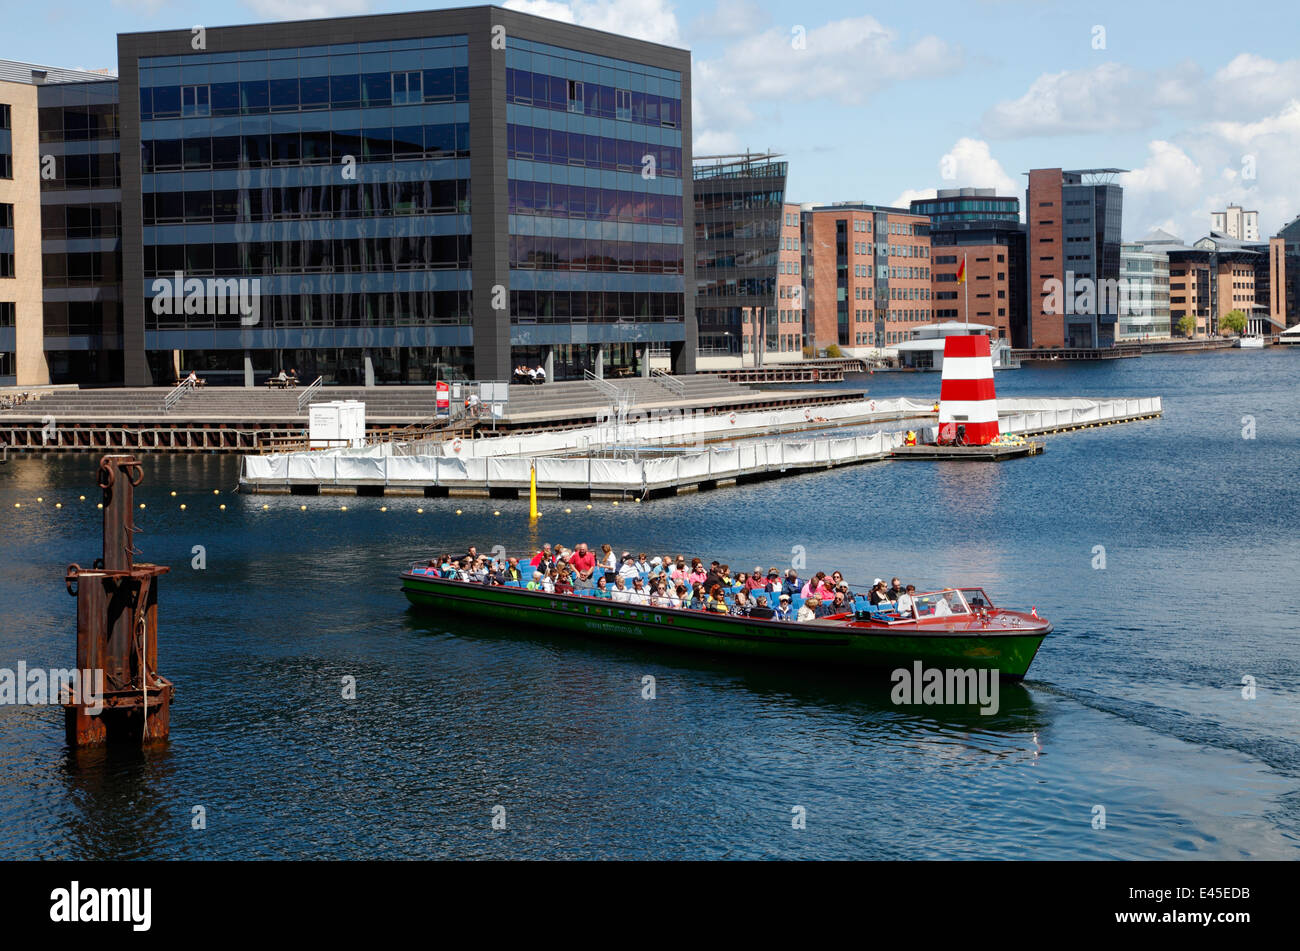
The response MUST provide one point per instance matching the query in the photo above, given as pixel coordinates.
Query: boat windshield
(977, 599)
(941, 604)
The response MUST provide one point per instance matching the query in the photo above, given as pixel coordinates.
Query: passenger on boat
(543, 557)
(698, 574)
(698, 600)
(583, 562)
(906, 603)
(791, 585)
(548, 582)
(629, 569)
(839, 604)
(717, 603)
(609, 561)
(742, 581)
(816, 587)
(620, 592)
(681, 596)
(943, 607)
(895, 589)
(809, 609)
(783, 612)
(512, 572)
(602, 587)
(740, 605)
(756, 582)
(679, 572)
(638, 594)
(760, 610)
(642, 565)
(564, 583)
(878, 594)
(536, 583)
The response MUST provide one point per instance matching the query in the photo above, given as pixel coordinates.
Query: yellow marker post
(532, 491)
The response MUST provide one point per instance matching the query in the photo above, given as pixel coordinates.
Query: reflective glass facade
(81, 231)
(336, 176)
(594, 148)
(739, 215)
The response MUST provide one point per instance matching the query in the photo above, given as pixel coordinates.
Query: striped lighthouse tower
(966, 396)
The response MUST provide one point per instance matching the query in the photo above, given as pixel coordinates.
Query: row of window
(306, 93)
(592, 151)
(79, 123)
(583, 254)
(527, 306)
(576, 201)
(313, 309)
(591, 99)
(61, 222)
(81, 318)
(345, 255)
(715, 201)
(261, 150)
(359, 200)
(787, 267)
(103, 170)
(79, 268)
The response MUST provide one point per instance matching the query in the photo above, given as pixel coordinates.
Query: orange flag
(961, 271)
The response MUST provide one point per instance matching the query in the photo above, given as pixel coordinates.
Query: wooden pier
(934, 453)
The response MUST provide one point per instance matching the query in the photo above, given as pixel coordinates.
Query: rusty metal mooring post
(121, 695)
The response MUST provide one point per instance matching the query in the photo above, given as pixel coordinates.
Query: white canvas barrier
(508, 470)
(798, 453)
(693, 466)
(562, 471)
(724, 462)
(421, 469)
(660, 471)
(353, 469)
(615, 473)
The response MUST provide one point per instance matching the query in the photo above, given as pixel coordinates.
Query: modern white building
(1235, 223)
(1144, 304)
(924, 351)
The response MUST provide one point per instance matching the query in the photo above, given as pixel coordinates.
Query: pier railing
(306, 395)
(175, 393)
(668, 381)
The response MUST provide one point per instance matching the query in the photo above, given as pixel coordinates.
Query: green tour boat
(951, 628)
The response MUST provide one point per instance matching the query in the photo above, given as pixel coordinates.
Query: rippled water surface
(1134, 704)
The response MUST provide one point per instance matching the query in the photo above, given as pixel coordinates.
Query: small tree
(1234, 321)
(834, 351)
(1187, 325)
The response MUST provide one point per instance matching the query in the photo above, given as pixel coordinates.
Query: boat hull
(840, 644)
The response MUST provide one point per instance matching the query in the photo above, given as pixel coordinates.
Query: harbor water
(1165, 552)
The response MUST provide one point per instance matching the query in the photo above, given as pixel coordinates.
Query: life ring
(873, 406)
(732, 419)
(807, 415)
(455, 445)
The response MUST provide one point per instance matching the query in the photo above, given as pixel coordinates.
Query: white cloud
(731, 18)
(1105, 98)
(652, 20)
(784, 65)
(968, 164)
(305, 9)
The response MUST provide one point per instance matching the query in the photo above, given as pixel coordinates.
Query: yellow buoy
(58, 505)
(343, 508)
(383, 508)
(141, 505)
(83, 498)
(568, 511)
(588, 506)
(40, 498)
(457, 511)
(223, 508)
(182, 506)
(496, 513)
(616, 501)
(99, 505)
(18, 505)
(265, 507)
(302, 508)
(216, 491)
(419, 511)
(173, 493)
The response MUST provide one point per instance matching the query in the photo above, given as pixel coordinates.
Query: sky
(884, 102)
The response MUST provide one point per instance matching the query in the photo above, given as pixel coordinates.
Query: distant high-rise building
(741, 228)
(1073, 221)
(1235, 223)
(866, 275)
(982, 229)
(1145, 311)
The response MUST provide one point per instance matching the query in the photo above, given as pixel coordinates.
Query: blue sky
(882, 101)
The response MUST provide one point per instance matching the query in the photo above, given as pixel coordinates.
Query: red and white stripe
(966, 396)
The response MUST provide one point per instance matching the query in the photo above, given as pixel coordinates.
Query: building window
(575, 96)
(4, 115)
(623, 104)
(194, 101)
(6, 215)
(6, 265)
(408, 88)
(8, 311)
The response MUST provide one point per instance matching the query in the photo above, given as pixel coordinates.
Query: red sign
(444, 398)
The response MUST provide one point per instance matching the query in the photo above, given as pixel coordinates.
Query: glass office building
(739, 215)
(410, 197)
(81, 231)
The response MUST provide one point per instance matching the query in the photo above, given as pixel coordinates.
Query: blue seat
(513, 584)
